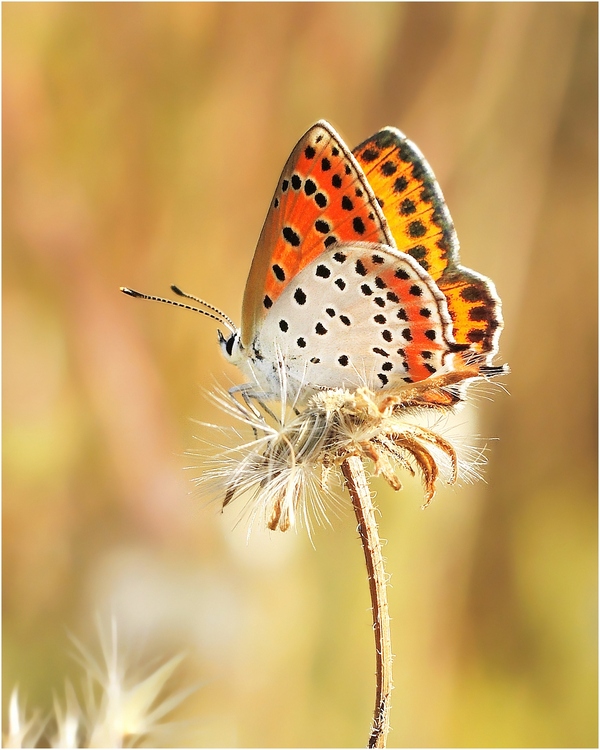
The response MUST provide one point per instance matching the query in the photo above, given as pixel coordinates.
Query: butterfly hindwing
(475, 309)
(322, 198)
(359, 314)
(417, 216)
(411, 199)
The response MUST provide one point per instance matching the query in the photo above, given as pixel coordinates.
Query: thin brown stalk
(360, 493)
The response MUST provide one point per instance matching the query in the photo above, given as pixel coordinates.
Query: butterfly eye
(227, 344)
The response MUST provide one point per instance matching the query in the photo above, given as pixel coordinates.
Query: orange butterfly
(356, 279)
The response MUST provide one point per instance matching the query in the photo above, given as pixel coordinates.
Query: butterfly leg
(249, 400)
(247, 396)
(250, 397)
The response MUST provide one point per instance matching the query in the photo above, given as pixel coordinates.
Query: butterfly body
(355, 280)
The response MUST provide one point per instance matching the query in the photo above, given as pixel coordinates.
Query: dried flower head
(288, 465)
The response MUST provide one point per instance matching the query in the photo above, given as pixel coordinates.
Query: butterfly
(356, 280)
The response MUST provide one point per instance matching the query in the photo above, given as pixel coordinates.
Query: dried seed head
(285, 470)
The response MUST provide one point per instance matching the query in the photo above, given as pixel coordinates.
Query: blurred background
(142, 143)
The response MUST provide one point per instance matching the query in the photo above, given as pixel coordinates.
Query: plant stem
(356, 481)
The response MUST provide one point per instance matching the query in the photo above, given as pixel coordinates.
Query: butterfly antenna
(220, 317)
(216, 310)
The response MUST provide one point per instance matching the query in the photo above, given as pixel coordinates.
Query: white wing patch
(360, 314)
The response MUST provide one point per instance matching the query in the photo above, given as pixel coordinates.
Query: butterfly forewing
(322, 198)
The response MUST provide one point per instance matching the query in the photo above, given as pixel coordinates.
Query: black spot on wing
(416, 228)
(471, 294)
(407, 207)
(400, 185)
(291, 237)
(479, 314)
(360, 268)
(309, 187)
(358, 225)
(370, 154)
(388, 168)
(279, 272)
(300, 296)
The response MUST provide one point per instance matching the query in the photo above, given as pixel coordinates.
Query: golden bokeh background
(142, 143)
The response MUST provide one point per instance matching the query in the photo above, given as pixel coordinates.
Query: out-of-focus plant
(119, 707)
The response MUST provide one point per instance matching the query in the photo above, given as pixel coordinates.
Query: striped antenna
(216, 310)
(214, 313)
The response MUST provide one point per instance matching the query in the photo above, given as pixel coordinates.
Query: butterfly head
(231, 346)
